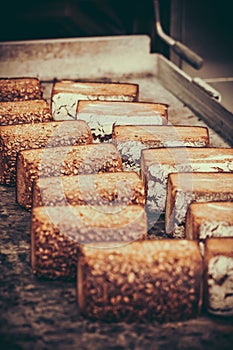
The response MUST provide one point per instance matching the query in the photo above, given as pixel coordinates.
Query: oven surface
(41, 314)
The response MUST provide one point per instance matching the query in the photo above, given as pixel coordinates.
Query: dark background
(30, 19)
(42, 19)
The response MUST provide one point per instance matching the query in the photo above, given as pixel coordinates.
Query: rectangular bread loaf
(66, 94)
(57, 234)
(20, 89)
(213, 219)
(184, 188)
(15, 138)
(130, 140)
(145, 280)
(101, 116)
(62, 161)
(156, 164)
(24, 112)
(219, 276)
(111, 189)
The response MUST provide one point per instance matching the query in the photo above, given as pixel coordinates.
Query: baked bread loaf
(62, 161)
(24, 112)
(184, 188)
(20, 89)
(111, 189)
(219, 276)
(213, 219)
(130, 140)
(58, 233)
(101, 116)
(145, 280)
(156, 164)
(67, 93)
(15, 138)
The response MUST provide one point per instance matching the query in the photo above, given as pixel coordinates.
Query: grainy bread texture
(121, 188)
(15, 138)
(145, 280)
(20, 89)
(24, 112)
(58, 233)
(66, 94)
(63, 161)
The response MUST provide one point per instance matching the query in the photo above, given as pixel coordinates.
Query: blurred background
(205, 26)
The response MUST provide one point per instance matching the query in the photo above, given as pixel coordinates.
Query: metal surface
(180, 49)
(119, 58)
(166, 38)
(39, 314)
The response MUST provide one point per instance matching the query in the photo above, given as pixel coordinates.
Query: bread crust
(20, 89)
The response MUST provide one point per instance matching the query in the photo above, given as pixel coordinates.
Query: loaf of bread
(121, 188)
(66, 94)
(15, 138)
(130, 140)
(24, 112)
(58, 233)
(184, 188)
(20, 89)
(156, 164)
(101, 116)
(211, 219)
(219, 276)
(62, 161)
(145, 280)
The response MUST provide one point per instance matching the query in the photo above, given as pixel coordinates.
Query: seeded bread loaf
(101, 116)
(145, 280)
(213, 219)
(63, 161)
(66, 94)
(219, 276)
(24, 112)
(20, 89)
(184, 188)
(130, 140)
(156, 164)
(15, 138)
(58, 233)
(91, 189)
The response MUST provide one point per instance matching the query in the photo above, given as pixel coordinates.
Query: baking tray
(40, 314)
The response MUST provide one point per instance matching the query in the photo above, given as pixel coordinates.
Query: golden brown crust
(179, 155)
(24, 112)
(218, 245)
(159, 280)
(66, 94)
(121, 188)
(15, 138)
(123, 108)
(185, 188)
(215, 216)
(58, 233)
(59, 161)
(162, 135)
(96, 89)
(20, 89)
(213, 210)
(157, 164)
(202, 182)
